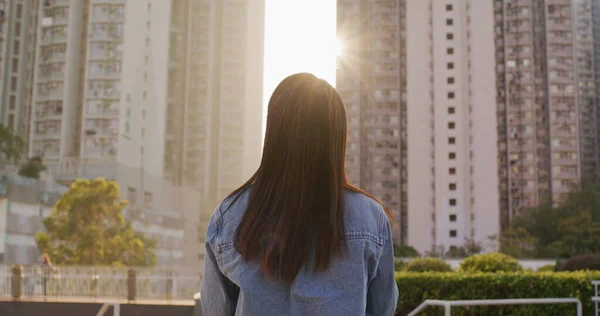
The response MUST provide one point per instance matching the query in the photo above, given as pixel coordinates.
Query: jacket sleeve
(218, 295)
(382, 296)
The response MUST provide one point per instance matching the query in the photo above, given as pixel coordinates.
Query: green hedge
(427, 265)
(490, 262)
(418, 287)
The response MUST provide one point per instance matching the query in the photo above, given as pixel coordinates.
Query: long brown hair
(296, 202)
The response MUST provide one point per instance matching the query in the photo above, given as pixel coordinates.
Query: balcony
(70, 169)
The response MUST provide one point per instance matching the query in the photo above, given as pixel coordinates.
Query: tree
(469, 248)
(405, 252)
(11, 146)
(87, 227)
(550, 231)
(32, 168)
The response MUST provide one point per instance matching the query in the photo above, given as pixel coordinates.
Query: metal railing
(447, 305)
(596, 298)
(116, 308)
(97, 283)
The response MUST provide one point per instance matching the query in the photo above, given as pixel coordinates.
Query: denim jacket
(360, 283)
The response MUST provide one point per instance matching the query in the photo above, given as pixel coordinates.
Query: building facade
(421, 124)
(546, 100)
(18, 27)
(371, 78)
(214, 111)
(452, 153)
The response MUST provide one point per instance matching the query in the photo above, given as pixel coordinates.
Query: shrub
(585, 262)
(399, 265)
(428, 265)
(490, 262)
(418, 287)
(405, 252)
(547, 268)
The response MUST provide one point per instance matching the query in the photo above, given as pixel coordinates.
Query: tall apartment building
(452, 153)
(18, 19)
(214, 111)
(546, 97)
(100, 99)
(371, 78)
(163, 96)
(416, 77)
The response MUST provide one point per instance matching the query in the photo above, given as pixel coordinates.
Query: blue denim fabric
(360, 283)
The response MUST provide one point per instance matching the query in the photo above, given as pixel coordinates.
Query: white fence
(101, 283)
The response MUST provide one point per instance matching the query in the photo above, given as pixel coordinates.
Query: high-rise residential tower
(214, 112)
(18, 27)
(452, 153)
(416, 77)
(371, 78)
(163, 96)
(546, 97)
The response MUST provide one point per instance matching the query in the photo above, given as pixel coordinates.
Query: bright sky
(300, 36)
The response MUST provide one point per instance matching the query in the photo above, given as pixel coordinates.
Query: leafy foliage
(405, 252)
(417, 287)
(87, 227)
(470, 247)
(11, 146)
(399, 265)
(490, 262)
(547, 268)
(570, 229)
(32, 168)
(427, 265)
(579, 263)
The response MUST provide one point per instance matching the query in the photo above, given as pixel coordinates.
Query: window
(452, 171)
(15, 65)
(450, 51)
(449, 22)
(452, 202)
(448, 7)
(450, 66)
(453, 217)
(451, 140)
(450, 95)
(11, 121)
(449, 36)
(451, 125)
(453, 233)
(132, 196)
(13, 102)
(148, 199)
(450, 80)
(13, 84)
(451, 110)
(19, 11)
(452, 156)
(452, 186)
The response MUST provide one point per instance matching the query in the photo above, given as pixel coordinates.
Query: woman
(297, 238)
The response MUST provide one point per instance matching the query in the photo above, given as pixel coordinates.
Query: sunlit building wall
(214, 112)
(452, 139)
(371, 78)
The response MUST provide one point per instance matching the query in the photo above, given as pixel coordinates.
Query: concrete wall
(77, 309)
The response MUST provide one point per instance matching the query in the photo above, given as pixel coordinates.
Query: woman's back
(297, 238)
(361, 282)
